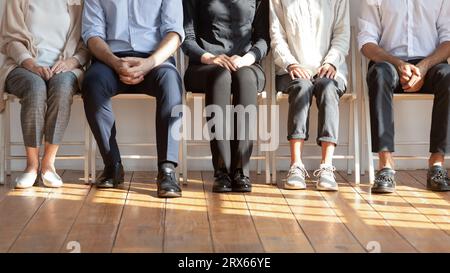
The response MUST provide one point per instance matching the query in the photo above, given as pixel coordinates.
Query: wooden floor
(132, 219)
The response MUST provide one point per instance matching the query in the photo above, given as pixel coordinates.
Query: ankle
(31, 169)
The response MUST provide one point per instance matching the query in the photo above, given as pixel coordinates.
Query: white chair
(366, 112)
(133, 97)
(259, 156)
(6, 155)
(351, 97)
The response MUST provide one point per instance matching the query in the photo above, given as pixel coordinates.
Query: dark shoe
(437, 179)
(168, 184)
(384, 181)
(111, 177)
(222, 183)
(241, 183)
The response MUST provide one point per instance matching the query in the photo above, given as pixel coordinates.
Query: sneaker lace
(441, 175)
(298, 170)
(385, 178)
(325, 171)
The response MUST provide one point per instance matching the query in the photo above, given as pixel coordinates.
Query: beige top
(310, 33)
(17, 40)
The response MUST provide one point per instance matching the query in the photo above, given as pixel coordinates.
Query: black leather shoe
(384, 181)
(168, 184)
(241, 183)
(111, 177)
(437, 179)
(222, 183)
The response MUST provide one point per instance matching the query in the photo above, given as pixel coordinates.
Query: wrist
(28, 63)
(207, 58)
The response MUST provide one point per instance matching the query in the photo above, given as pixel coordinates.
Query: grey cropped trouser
(301, 92)
(46, 105)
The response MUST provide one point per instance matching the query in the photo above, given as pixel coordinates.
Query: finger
(306, 74)
(47, 73)
(330, 74)
(230, 64)
(56, 66)
(291, 73)
(298, 74)
(407, 71)
(416, 71)
(412, 82)
(322, 72)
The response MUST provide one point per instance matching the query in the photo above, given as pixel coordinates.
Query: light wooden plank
(232, 227)
(142, 224)
(432, 205)
(187, 226)
(424, 235)
(365, 223)
(325, 230)
(47, 230)
(16, 210)
(274, 221)
(96, 225)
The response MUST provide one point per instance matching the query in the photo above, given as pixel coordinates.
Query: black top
(231, 27)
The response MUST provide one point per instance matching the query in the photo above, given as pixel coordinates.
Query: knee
(299, 88)
(382, 71)
(245, 74)
(63, 88)
(170, 85)
(96, 84)
(36, 92)
(219, 76)
(326, 90)
(443, 74)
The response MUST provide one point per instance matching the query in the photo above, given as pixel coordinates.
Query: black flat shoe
(111, 177)
(168, 184)
(222, 184)
(384, 181)
(437, 179)
(241, 183)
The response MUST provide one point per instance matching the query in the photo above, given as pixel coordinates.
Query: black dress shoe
(384, 181)
(111, 177)
(168, 184)
(241, 183)
(437, 179)
(222, 183)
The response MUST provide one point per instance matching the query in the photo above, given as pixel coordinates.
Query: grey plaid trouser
(46, 105)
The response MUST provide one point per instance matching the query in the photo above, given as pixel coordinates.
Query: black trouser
(101, 83)
(383, 81)
(219, 84)
(301, 92)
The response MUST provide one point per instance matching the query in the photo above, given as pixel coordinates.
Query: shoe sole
(110, 187)
(438, 190)
(242, 190)
(222, 191)
(294, 188)
(170, 195)
(382, 190)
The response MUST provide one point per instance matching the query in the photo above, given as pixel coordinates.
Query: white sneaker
(296, 178)
(326, 180)
(52, 180)
(26, 180)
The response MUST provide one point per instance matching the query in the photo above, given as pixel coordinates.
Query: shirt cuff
(93, 34)
(364, 41)
(179, 31)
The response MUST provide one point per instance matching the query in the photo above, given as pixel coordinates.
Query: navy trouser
(101, 83)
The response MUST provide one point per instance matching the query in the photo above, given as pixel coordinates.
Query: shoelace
(385, 178)
(298, 170)
(441, 175)
(325, 171)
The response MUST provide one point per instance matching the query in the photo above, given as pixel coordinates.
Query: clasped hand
(132, 70)
(411, 77)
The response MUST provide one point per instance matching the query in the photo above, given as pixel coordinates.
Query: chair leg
(93, 159)
(356, 140)
(184, 145)
(350, 138)
(274, 153)
(370, 163)
(258, 146)
(7, 125)
(87, 150)
(2, 149)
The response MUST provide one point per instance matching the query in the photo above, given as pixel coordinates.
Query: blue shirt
(132, 25)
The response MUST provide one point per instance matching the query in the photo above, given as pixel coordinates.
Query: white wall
(129, 130)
